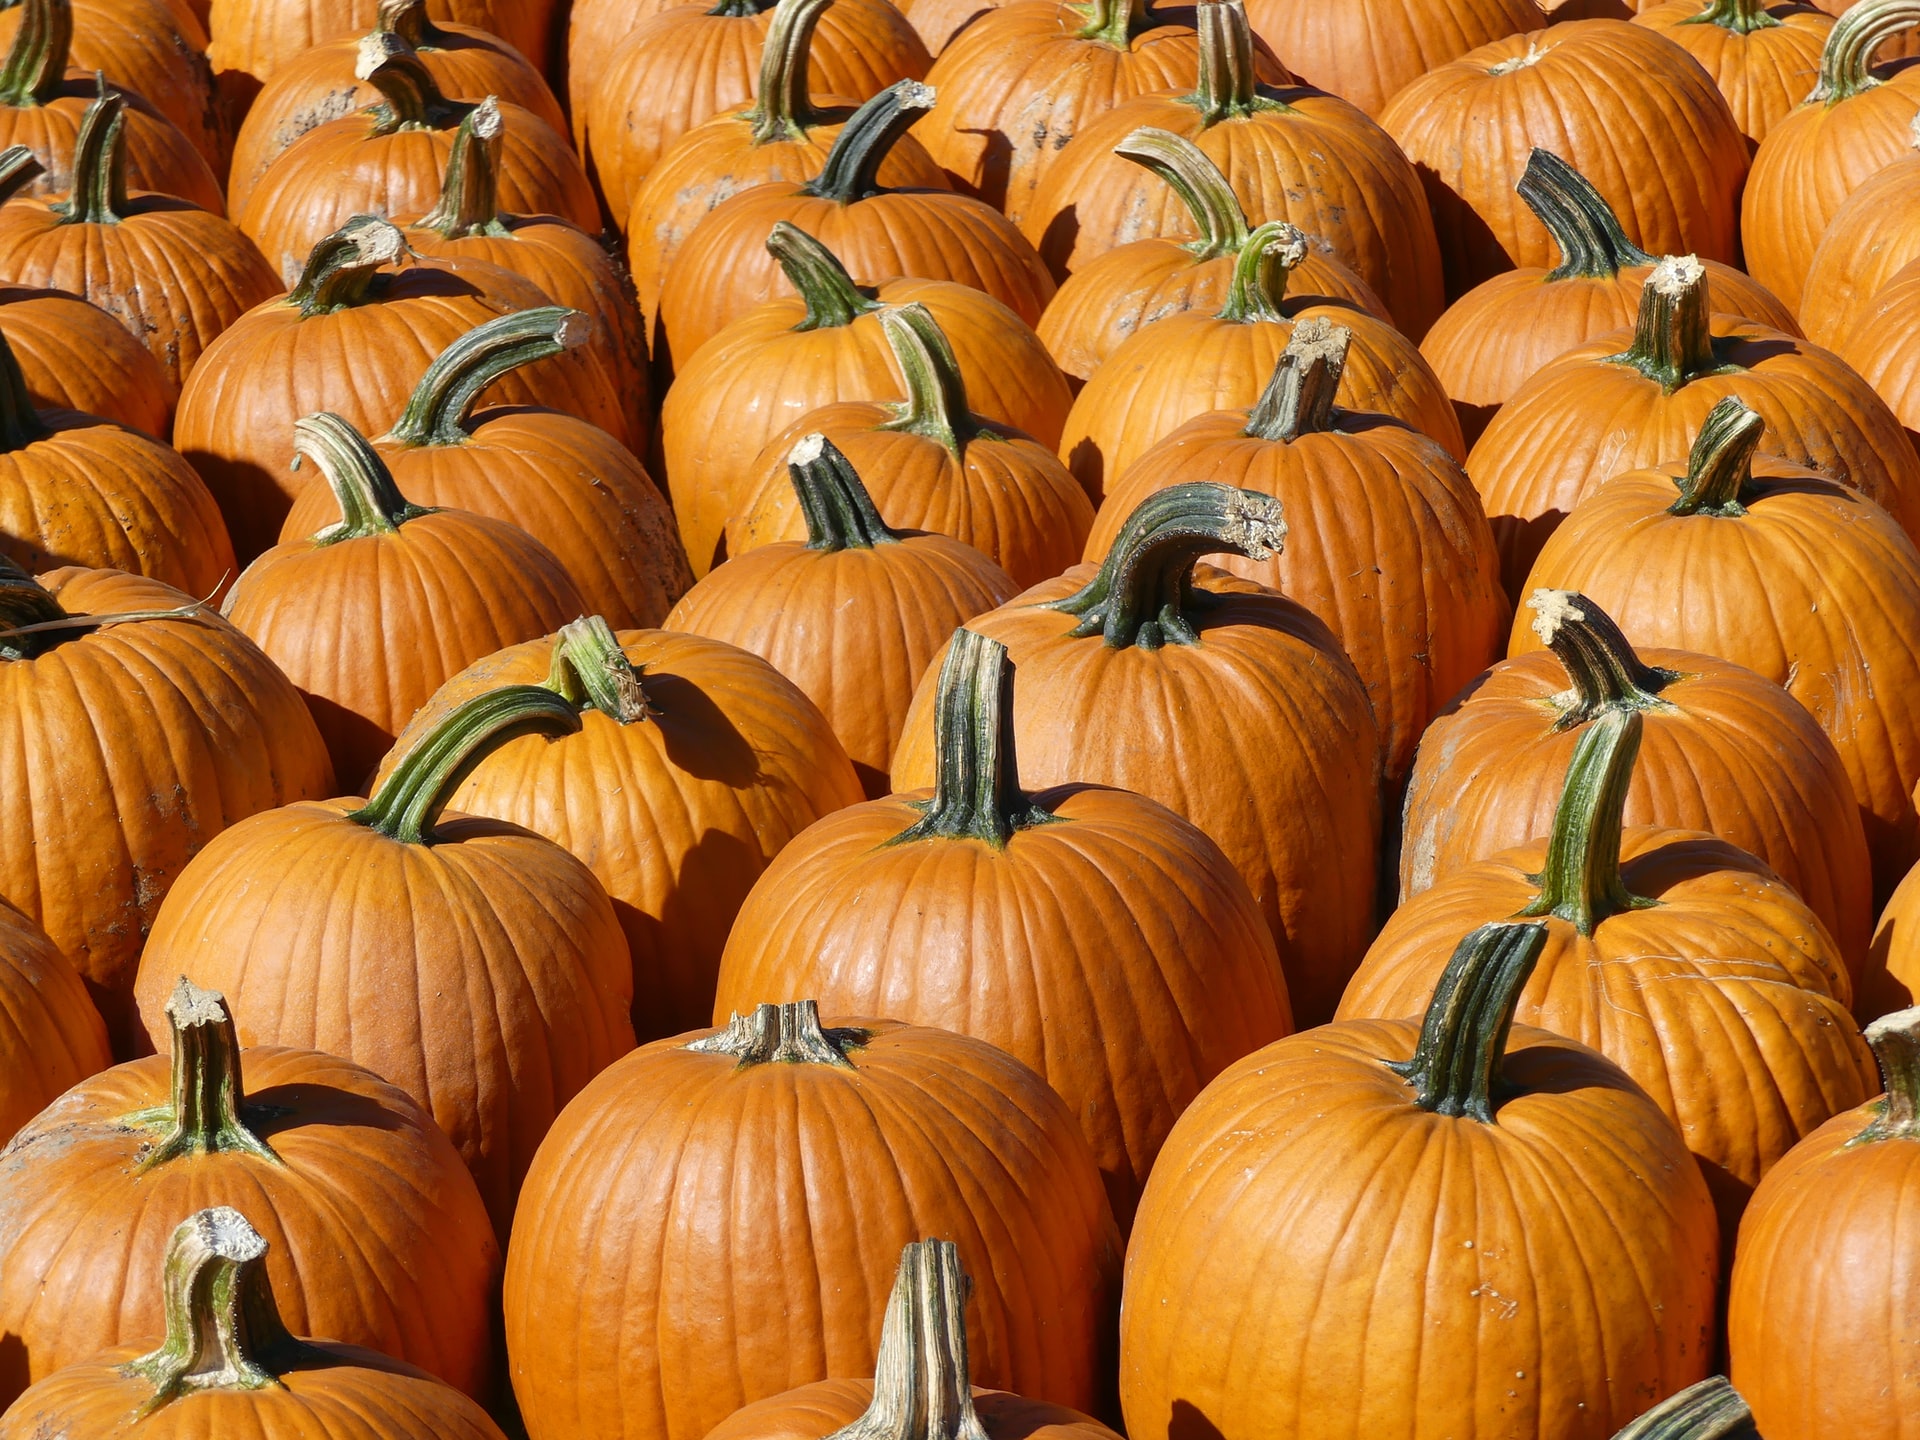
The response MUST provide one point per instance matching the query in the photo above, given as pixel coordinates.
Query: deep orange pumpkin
(1872, 237)
(1763, 55)
(1894, 973)
(51, 1036)
(1884, 347)
(75, 356)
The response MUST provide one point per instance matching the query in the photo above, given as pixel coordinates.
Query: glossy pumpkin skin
(1470, 125)
(927, 1134)
(1869, 242)
(1882, 347)
(159, 158)
(1763, 73)
(75, 356)
(1894, 971)
(51, 1036)
(221, 734)
(810, 1411)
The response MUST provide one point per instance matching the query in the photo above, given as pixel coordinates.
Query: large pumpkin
(1091, 933)
(854, 1139)
(1141, 674)
(1873, 236)
(75, 356)
(51, 1035)
(379, 1235)
(1453, 1224)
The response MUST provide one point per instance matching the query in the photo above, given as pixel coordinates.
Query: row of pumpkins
(1100, 477)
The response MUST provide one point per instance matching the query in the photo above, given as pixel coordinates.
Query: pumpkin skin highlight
(51, 1036)
(75, 356)
(1868, 244)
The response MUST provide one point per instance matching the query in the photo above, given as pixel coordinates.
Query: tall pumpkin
(51, 1036)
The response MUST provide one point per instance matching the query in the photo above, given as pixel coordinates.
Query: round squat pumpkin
(75, 356)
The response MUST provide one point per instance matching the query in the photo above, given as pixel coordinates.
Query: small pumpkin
(229, 1366)
(1871, 238)
(1498, 1196)
(1142, 674)
(1763, 55)
(857, 1138)
(929, 463)
(379, 1235)
(75, 356)
(51, 1036)
(1035, 922)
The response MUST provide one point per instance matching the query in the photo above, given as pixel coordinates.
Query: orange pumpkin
(1129, 924)
(1452, 1222)
(1872, 238)
(51, 1035)
(1893, 974)
(857, 1138)
(696, 764)
(1763, 55)
(75, 356)
(1885, 348)
(929, 464)
(347, 1174)
(1142, 674)
(1387, 542)
(1653, 134)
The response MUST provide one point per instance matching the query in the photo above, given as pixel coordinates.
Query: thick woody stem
(1721, 465)
(1455, 1069)
(1846, 64)
(592, 672)
(1299, 396)
(1199, 183)
(207, 1089)
(1896, 1045)
(831, 297)
(1577, 216)
(784, 110)
(922, 1384)
(1606, 673)
(789, 1034)
(1582, 883)
(442, 404)
(852, 167)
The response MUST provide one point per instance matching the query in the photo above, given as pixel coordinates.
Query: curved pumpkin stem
(1846, 63)
(19, 168)
(1577, 216)
(1299, 396)
(207, 1089)
(99, 192)
(1229, 87)
(224, 1330)
(1896, 1045)
(409, 20)
(20, 423)
(784, 109)
(370, 502)
(1455, 1068)
(407, 806)
(342, 268)
(831, 297)
(850, 173)
(36, 63)
(936, 391)
(1711, 1410)
(469, 201)
(839, 511)
(1600, 661)
(1116, 22)
(789, 1034)
(591, 671)
(1742, 17)
(410, 97)
(1673, 336)
(976, 784)
(1202, 188)
(922, 1383)
(1582, 883)
(441, 406)
(1144, 590)
(1721, 465)
(1259, 285)
(26, 606)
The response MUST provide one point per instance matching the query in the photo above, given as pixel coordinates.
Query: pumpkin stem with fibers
(409, 20)
(342, 268)
(1198, 182)
(20, 423)
(852, 167)
(922, 1383)
(99, 191)
(784, 110)
(831, 297)
(839, 511)
(1228, 88)
(789, 1034)
(1846, 62)
(1673, 337)
(224, 1330)
(407, 805)
(1599, 659)
(469, 201)
(1721, 465)
(1742, 17)
(1577, 216)
(441, 406)
(410, 97)
(936, 405)
(1455, 1068)
(1143, 593)
(36, 63)
(1298, 399)
(591, 672)
(1896, 1045)
(207, 1090)
(370, 502)
(976, 782)
(1582, 883)
(1115, 22)
(1259, 284)
(18, 169)
(1711, 1410)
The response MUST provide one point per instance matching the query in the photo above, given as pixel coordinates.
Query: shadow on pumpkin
(676, 954)
(1188, 1423)
(699, 737)
(268, 1111)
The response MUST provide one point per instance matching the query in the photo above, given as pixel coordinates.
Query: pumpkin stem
(36, 63)
(18, 169)
(1115, 22)
(1229, 89)
(1582, 883)
(370, 502)
(1846, 63)
(1198, 182)
(469, 201)
(852, 166)
(936, 391)
(1673, 337)
(409, 20)
(20, 423)
(591, 671)
(739, 9)
(1711, 1410)
(1298, 399)
(839, 511)
(1577, 216)
(1895, 1040)
(784, 110)
(922, 1383)
(25, 605)
(976, 784)
(408, 804)
(1721, 465)
(410, 97)
(442, 404)
(1259, 285)
(1455, 1068)
(1742, 17)
(789, 1034)
(1143, 593)
(342, 268)
(831, 297)
(98, 195)
(1600, 661)
(224, 1330)
(207, 1089)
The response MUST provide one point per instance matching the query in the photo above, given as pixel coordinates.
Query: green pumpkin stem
(409, 20)
(591, 671)
(1673, 337)
(784, 109)
(976, 783)
(36, 63)
(1895, 1040)
(1143, 594)
(922, 1382)
(739, 9)
(1742, 17)
(1846, 64)
(1455, 1069)
(1115, 22)
(1710, 1410)
(852, 168)
(20, 422)
(1229, 87)
(370, 502)
(831, 297)
(469, 202)
(1577, 216)
(1205, 192)
(789, 1034)
(1721, 465)
(936, 404)
(98, 193)
(19, 168)
(1582, 883)
(1299, 396)
(1259, 285)
(410, 97)
(408, 803)
(224, 1330)
(441, 406)
(839, 512)
(342, 268)
(207, 1089)
(1607, 675)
